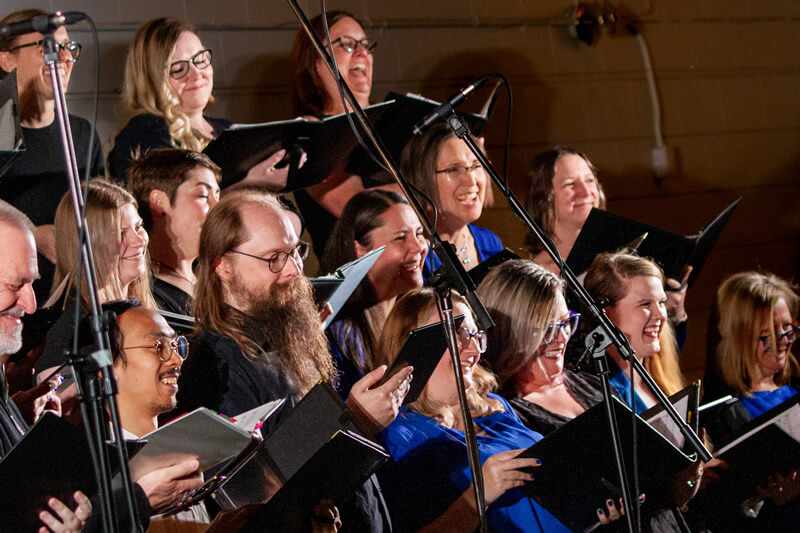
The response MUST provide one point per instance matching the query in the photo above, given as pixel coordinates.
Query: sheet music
(790, 422)
(8, 133)
(251, 420)
(667, 427)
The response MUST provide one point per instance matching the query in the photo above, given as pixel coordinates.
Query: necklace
(174, 272)
(463, 250)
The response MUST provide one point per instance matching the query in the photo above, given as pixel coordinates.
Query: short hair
(521, 297)
(104, 203)
(362, 214)
(13, 217)
(7, 42)
(745, 300)
(116, 338)
(410, 312)
(607, 279)
(224, 230)
(540, 198)
(146, 87)
(163, 169)
(308, 94)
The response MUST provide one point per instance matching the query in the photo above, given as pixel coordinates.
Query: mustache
(171, 372)
(14, 311)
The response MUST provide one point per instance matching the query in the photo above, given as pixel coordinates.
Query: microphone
(446, 108)
(41, 24)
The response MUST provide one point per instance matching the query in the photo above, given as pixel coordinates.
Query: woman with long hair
(168, 86)
(443, 168)
(119, 244)
(428, 485)
(371, 219)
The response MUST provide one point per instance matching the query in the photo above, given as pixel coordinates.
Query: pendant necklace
(463, 250)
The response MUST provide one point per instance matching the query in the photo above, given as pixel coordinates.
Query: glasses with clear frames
(201, 60)
(73, 47)
(166, 347)
(278, 260)
(570, 326)
(459, 172)
(349, 44)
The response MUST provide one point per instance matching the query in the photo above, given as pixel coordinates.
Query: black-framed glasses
(570, 326)
(790, 335)
(73, 47)
(166, 347)
(464, 337)
(278, 260)
(459, 172)
(201, 60)
(349, 44)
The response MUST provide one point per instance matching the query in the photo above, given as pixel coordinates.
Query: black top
(585, 388)
(143, 132)
(59, 337)
(37, 180)
(171, 298)
(12, 425)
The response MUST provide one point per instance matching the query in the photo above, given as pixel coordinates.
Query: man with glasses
(37, 180)
(259, 333)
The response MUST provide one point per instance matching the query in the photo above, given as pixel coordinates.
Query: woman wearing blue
(441, 166)
(633, 289)
(428, 486)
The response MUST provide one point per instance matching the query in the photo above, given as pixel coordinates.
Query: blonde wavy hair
(146, 87)
(411, 311)
(607, 278)
(746, 300)
(104, 203)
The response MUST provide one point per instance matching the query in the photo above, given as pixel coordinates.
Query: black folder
(317, 451)
(482, 269)
(11, 142)
(422, 350)
(328, 144)
(578, 471)
(52, 460)
(607, 232)
(767, 444)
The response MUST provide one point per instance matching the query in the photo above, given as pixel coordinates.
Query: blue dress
(486, 243)
(762, 401)
(619, 380)
(430, 471)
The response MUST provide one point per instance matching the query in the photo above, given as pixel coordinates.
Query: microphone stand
(456, 277)
(609, 330)
(86, 370)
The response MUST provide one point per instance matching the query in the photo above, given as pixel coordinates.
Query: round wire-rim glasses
(165, 347)
(278, 260)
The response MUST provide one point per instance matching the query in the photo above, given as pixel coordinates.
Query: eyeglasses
(201, 60)
(349, 44)
(459, 172)
(570, 325)
(278, 259)
(790, 335)
(73, 47)
(464, 337)
(166, 347)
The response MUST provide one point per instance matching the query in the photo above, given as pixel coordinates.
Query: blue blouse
(486, 243)
(431, 471)
(762, 401)
(619, 380)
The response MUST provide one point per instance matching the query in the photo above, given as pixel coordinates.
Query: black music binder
(687, 403)
(422, 350)
(482, 269)
(11, 141)
(607, 232)
(578, 472)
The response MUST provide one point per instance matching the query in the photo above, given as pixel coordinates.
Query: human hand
(264, 174)
(167, 486)
(19, 372)
(325, 312)
(377, 407)
(502, 472)
(676, 297)
(711, 472)
(61, 519)
(781, 488)
(45, 237)
(325, 517)
(33, 402)
(687, 482)
(612, 513)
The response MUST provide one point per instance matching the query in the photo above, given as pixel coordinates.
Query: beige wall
(728, 72)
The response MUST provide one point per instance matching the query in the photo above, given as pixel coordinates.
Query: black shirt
(143, 132)
(171, 298)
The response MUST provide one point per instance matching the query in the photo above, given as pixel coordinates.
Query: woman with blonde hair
(632, 289)
(168, 83)
(428, 487)
(119, 244)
